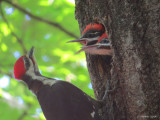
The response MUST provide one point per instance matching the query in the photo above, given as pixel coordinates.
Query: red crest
(93, 26)
(19, 68)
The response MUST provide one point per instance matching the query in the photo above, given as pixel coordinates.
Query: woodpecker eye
(92, 42)
(92, 34)
(105, 41)
(26, 62)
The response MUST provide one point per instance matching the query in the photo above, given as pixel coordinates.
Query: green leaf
(55, 57)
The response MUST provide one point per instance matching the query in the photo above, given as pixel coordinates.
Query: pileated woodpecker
(59, 100)
(95, 40)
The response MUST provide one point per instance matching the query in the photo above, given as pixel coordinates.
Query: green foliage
(57, 59)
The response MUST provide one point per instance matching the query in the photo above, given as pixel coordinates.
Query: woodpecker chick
(91, 34)
(59, 100)
(101, 48)
(94, 39)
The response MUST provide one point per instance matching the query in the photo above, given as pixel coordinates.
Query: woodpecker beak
(84, 48)
(30, 53)
(81, 40)
(99, 49)
(77, 40)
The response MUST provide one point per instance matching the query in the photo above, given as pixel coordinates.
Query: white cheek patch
(92, 39)
(30, 72)
(46, 81)
(31, 67)
(92, 114)
(49, 82)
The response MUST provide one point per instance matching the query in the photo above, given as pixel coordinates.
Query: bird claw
(109, 91)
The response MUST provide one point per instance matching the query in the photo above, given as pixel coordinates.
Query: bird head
(91, 34)
(26, 64)
(101, 48)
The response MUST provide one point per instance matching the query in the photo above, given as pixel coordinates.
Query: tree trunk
(133, 27)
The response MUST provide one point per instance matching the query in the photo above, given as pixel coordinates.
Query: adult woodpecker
(95, 40)
(59, 100)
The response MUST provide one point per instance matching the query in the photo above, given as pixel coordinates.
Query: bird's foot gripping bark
(109, 91)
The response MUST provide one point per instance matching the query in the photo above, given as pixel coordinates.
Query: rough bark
(133, 27)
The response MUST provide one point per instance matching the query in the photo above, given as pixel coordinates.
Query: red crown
(19, 68)
(93, 26)
(103, 36)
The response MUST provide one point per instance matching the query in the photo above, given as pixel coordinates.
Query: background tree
(47, 25)
(133, 28)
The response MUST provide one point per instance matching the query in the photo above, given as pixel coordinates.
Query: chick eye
(92, 42)
(92, 34)
(26, 62)
(105, 41)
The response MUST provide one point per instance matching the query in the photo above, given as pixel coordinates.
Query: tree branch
(5, 73)
(25, 112)
(41, 19)
(22, 115)
(18, 39)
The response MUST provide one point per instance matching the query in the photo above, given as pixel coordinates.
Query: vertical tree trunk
(133, 27)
